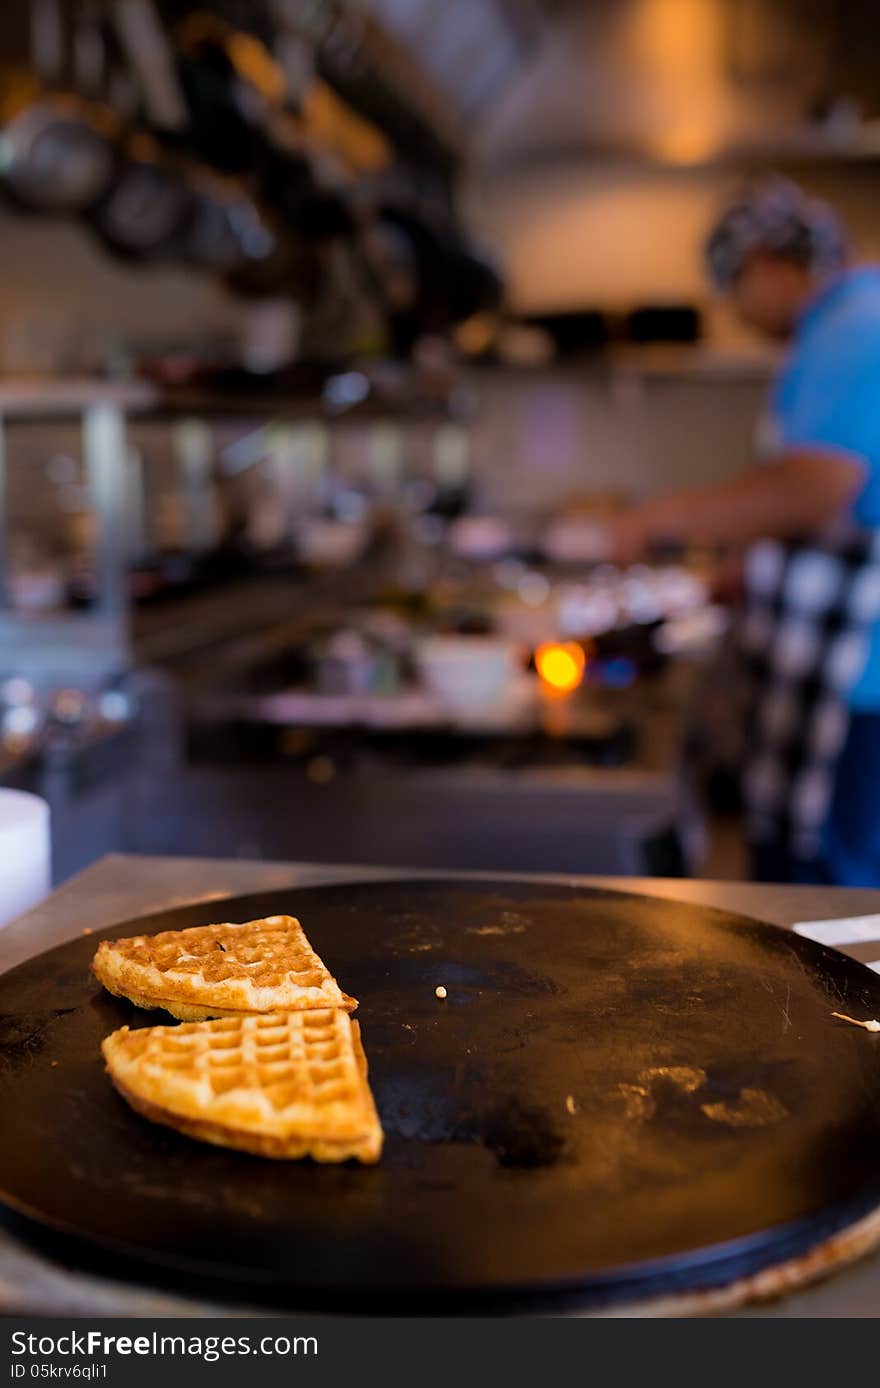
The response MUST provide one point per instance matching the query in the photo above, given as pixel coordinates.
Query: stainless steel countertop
(120, 887)
(48, 397)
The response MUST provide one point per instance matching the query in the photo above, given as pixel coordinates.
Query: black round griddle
(620, 1096)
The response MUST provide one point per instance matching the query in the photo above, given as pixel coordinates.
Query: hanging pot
(229, 82)
(57, 151)
(223, 228)
(146, 209)
(55, 157)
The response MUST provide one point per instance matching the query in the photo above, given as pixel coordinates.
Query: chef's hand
(624, 537)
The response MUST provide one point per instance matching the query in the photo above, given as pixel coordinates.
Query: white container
(466, 673)
(25, 860)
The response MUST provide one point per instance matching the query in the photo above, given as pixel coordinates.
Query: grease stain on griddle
(414, 935)
(523, 1136)
(754, 1108)
(419, 1107)
(641, 1098)
(508, 923)
(23, 1038)
(679, 1093)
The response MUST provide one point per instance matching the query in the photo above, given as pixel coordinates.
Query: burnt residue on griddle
(523, 1136)
(783, 1081)
(23, 1037)
(744, 1093)
(413, 933)
(421, 1106)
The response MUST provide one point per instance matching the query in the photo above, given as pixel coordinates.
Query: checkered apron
(808, 615)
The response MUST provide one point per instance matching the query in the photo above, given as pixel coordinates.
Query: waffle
(220, 970)
(283, 1084)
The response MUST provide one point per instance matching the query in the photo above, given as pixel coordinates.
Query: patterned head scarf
(776, 216)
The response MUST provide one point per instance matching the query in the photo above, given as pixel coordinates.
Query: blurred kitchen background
(329, 332)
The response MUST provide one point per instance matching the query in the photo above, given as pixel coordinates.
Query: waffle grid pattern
(257, 966)
(295, 1077)
(274, 951)
(281, 1065)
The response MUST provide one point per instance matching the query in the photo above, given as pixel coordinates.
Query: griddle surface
(619, 1096)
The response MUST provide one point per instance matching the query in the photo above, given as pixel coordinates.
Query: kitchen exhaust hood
(690, 82)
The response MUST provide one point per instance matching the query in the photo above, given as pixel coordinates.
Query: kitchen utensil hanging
(57, 151)
(143, 214)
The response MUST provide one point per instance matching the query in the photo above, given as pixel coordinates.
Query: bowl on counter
(467, 674)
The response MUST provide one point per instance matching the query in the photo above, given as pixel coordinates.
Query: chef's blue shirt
(828, 396)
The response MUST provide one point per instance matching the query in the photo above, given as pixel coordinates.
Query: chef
(808, 515)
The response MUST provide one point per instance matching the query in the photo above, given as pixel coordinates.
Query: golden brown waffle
(220, 970)
(283, 1084)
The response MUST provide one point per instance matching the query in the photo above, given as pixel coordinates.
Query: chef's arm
(800, 493)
